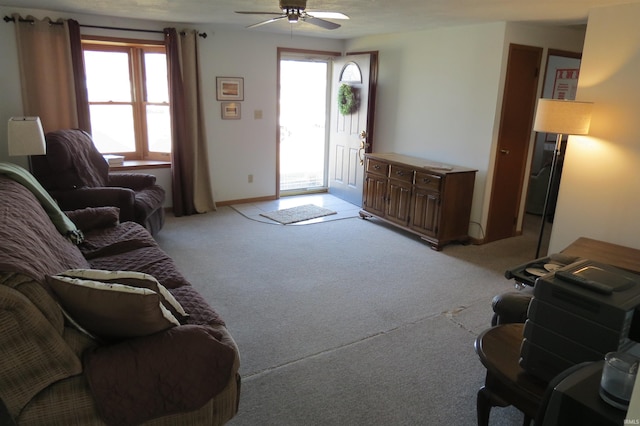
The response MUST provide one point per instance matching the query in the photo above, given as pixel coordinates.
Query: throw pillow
(116, 304)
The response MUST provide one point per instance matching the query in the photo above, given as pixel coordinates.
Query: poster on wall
(566, 83)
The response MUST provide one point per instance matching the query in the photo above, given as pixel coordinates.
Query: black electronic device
(579, 313)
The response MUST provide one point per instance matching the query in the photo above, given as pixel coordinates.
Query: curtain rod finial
(9, 18)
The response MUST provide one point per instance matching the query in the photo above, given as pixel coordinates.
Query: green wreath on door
(346, 99)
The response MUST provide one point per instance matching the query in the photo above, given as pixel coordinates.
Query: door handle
(504, 151)
(363, 145)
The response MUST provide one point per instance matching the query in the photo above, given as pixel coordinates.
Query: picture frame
(231, 110)
(230, 88)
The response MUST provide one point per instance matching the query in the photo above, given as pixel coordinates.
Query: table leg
(483, 406)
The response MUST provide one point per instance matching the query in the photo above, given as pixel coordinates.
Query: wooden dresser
(430, 199)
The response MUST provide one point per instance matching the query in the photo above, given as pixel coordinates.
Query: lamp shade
(563, 117)
(26, 136)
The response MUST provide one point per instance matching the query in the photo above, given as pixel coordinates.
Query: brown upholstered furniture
(52, 372)
(77, 176)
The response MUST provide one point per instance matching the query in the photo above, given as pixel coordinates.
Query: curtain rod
(12, 19)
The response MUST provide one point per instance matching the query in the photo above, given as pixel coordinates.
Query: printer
(578, 313)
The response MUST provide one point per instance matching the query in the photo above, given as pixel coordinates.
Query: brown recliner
(77, 176)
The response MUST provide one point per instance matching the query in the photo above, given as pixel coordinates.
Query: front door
(350, 135)
(520, 94)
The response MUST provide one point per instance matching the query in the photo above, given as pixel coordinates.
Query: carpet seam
(289, 225)
(346, 345)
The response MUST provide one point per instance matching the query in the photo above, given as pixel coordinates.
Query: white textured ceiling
(367, 16)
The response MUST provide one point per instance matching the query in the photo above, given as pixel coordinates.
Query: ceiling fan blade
(259, 13)
(320, 22)
(328, 15)
(268, 21)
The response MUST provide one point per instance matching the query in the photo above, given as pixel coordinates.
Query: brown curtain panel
(80, 76)
(47, 72)
(191, 181)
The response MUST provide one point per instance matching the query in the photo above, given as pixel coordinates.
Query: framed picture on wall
(231, 110)
(230, 88)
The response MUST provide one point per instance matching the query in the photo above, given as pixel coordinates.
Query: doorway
(518, 106)
(303, 117)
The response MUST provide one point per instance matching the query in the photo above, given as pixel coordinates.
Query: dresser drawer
(404, 174)
(377, 167)
(428, 181)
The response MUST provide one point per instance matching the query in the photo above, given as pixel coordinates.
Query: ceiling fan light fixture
(293, 15)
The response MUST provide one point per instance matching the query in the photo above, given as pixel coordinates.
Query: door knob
(504, 151)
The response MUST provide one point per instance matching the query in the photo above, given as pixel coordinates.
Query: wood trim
(246, 200)
(373, 84)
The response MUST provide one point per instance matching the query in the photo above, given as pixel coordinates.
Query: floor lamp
(26, 137)
(563, 118)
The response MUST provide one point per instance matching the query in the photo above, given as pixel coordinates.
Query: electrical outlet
(250, 179)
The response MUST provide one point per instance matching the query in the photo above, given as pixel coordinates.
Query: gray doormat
(298, 214)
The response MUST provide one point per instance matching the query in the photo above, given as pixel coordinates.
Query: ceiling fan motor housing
(293, 4)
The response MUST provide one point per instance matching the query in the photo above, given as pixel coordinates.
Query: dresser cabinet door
(425, 212)
(374, 197)
(398, 201)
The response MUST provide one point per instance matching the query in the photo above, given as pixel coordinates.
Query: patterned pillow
(116, 304)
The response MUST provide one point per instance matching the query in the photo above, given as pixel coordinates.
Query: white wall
(440, 94)
(247, 146)
(599, 192)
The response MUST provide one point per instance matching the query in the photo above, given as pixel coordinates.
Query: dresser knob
(377, 167)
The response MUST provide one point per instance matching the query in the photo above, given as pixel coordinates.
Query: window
(128, 93)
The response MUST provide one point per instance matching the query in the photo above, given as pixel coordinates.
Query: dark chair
(77, 176)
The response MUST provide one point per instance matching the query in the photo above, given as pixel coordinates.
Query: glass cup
(618, 378)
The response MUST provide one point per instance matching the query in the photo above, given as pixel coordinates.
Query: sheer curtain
(190, 160)
(50, 61)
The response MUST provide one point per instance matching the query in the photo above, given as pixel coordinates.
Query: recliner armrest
(510, 307)
(75, 199)
(178, 369)
(135, 181)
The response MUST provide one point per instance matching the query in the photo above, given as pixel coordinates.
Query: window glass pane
(159, 128)
(155, 65)
(107, 76)
(112, 128)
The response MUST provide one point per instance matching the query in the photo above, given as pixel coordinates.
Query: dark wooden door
(518, 106)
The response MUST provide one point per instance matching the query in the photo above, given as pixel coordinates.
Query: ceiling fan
(294, 11)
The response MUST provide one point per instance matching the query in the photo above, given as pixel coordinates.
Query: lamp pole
(554, 162)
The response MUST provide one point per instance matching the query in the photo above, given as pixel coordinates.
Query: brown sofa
(58, 369)
(77, 176)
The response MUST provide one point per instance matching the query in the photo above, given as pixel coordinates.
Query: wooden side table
(506, 382)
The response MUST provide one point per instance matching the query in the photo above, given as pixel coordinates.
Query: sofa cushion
(121, 305)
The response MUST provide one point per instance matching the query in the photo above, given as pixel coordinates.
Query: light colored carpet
(298, 214)
(347, 322)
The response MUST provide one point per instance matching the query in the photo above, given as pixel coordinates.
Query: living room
(430, 81)
(414, 95)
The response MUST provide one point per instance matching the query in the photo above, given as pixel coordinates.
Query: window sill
(141, 164)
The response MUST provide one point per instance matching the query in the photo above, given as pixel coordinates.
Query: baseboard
(245, 200)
